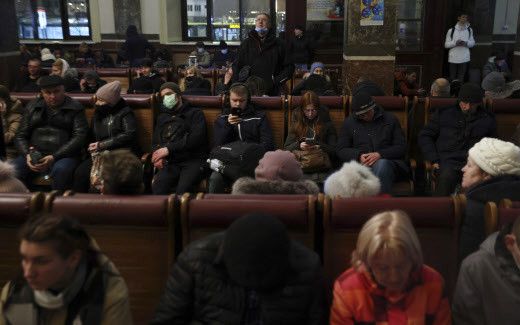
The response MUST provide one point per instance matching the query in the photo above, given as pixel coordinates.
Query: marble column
(516, 53)
(127, 12)
(9, 51)
(369, 50)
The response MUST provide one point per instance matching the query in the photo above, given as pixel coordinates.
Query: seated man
(497, 63)
(451, 132)
(252, 273)
(180, 143)
(243, 123)
(487, 288)
(148, 81)
(91, 82)
(203, 56)
(65, 279)
(375, 139)
(28, 81)
(440, 88)
(52, 133)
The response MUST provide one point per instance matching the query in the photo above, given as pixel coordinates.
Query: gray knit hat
(110, 93)
(8, 181)
(496, 85)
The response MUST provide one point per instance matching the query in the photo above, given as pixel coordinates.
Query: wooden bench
(211, 106)
(507, 114)
(136, 233)
(436, 221)
(15, 210)
(497, 216)
(113, 74)
(210, 214)
(274, 108)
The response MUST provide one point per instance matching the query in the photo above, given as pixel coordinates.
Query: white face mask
(170, 101)
(200, 49)
(224, 51)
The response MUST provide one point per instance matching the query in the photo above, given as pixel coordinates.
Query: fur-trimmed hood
(352, 180)
(248, 185)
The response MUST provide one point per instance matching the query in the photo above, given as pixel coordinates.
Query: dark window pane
(409, 9)
(26, 22)
(409, 35)
(280, 17)
(77, 11)
(49, 19)
(251, 9)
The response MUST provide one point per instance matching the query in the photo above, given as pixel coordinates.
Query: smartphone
(310, 141)
(236, 111)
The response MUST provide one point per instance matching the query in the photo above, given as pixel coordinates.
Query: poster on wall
(319, 10)
(372, 12)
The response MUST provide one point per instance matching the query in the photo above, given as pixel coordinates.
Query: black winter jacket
(199, 290)
(383, 135)
(253, 128)
(495, 189)
(146, 84)
(61, 132)
(115, 128)
(183, 132)
(197, 86)
(368, 87)
(267, 58)
(449, 134)
(300, 48)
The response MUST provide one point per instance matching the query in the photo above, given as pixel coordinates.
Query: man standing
(451, 132)
(300, 49)
(487, 290)
(252, 273)
(375, 139)
(459, 40)
(51, 135)
(264, 55)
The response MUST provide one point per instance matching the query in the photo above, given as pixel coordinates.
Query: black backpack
(238, 158)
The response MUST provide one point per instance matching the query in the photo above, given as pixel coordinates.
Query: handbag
(95, 172)
(315, 160)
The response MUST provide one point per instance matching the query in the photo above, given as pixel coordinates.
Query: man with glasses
(264, 55)
(374, 138)
(451, 132)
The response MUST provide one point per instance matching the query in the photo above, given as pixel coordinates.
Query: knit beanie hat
(317, 65)
(352, 180)
(170, 85)
(110, 93)
(362, 103)
(278, 165)
(471, 93)
(496, 157)
(8, 181)
(91, 75)
(256, 251)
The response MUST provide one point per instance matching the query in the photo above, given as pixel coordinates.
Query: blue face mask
(224, 51)
(261, 31)
(170, 101)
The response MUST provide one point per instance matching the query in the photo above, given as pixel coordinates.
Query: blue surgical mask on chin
(261, 31)
(170, 101)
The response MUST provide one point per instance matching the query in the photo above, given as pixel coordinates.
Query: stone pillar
(369, 50)
(9, 51)
(516, 53)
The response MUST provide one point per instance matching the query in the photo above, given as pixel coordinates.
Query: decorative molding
(8, 54)
(368, 57)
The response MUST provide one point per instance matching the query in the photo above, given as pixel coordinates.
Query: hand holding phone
(236, 111)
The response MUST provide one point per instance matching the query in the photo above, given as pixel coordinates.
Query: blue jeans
(61, 172)
(386, 171)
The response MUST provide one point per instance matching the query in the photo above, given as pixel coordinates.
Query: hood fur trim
(352, 180)
(248, 185)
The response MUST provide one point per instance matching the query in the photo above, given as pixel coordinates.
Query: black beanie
(471, 93)
(256, 252)
(362, 103)
(171, 85)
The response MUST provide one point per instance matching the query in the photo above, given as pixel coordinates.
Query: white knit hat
(352, 180)
(496, 157)
(8, 181)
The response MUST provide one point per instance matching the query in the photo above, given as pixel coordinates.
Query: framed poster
(320, 10)
(372, 12)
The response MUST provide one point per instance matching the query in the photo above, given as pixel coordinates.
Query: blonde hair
(191, 69)
(391, 231)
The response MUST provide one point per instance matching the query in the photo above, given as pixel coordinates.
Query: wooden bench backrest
(507, 114)
(275, 112)
(136, 233)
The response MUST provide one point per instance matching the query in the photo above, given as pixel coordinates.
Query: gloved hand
(216, 165)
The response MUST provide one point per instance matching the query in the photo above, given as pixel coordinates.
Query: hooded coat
(495, 189)
(199, 289)
(488, 286)
(267, 59)
(248, 185)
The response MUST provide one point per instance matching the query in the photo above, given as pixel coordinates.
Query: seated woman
(113, 126)
(492, 173)
(311, 131)
(70, 75)
(194, 84)
(388, 282)
(316, 81)
(11, 112)
(65, 279)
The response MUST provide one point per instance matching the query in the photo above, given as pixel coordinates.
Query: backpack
(453, 31)
(237, 159)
